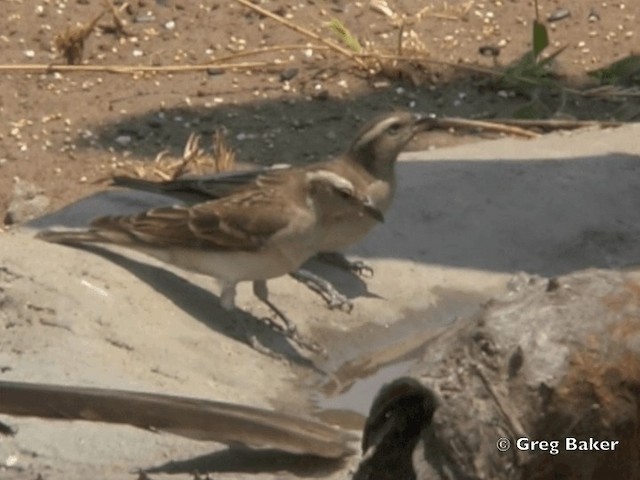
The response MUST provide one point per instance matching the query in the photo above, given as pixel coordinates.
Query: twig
(488, 126)
(46, 68)
(343, 51)
(557, 124)
(517, 127)
(612, 91)
(276, 48)
(119, 24)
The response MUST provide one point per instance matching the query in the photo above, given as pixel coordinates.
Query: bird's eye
(344, 193)
(393, 129)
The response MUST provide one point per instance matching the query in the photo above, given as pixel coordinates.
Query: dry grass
(195, 160)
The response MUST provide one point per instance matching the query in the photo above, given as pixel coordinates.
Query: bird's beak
(373, 211)
(424, 121)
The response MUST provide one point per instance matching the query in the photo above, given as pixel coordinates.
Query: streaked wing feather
(161, 227)
(230, 223)
(240, 226)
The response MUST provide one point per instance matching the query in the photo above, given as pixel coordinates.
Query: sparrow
(254, 234)
(369, 164)
(194, 418)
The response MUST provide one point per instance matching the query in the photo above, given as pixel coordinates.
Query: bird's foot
(325, 289)
(289, 329)
(358, 267)
(253, 342)
(291, 332)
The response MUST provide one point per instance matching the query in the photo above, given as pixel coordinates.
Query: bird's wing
(201, 188)
(240, 222)
(188, 417)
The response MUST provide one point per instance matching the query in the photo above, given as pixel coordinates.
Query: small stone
(489, 50)
(288, 74)
(27, 202)
(559, 14)
(145, 18)
(123, 140)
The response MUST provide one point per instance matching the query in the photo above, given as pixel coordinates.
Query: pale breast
(348, 227)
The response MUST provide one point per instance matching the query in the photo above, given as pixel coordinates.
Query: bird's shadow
(346, 282)
(244, 460)
(205, 307)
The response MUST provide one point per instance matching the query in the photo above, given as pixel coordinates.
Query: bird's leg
(324, 288)
(339, 260)
(228, 296)
(260, 290)
(227, 300)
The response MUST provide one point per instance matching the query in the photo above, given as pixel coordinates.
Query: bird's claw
(360, 268)
(324, 288)
(337, 259)
(336, 300)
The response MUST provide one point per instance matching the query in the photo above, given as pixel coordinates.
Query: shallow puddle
(374, 355)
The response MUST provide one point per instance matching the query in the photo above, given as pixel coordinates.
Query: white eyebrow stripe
(375, 130)
(331, 178)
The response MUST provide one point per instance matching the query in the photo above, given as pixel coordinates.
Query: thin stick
(304, 31)
(557, 124)
(517, 127)
(46, 68)
(488, 126)
(276, 48)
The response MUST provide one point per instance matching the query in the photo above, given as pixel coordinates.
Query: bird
(368, 163)
(194, 418)
(253, 235)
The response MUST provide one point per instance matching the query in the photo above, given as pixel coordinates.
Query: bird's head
(377, 145)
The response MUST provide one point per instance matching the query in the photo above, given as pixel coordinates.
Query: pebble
(559, 14)
(27, 202)
(489, 50)
(123, 140)
(288, 74)
(146, 18)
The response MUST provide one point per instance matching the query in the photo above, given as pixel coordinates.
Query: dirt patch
(66, 132)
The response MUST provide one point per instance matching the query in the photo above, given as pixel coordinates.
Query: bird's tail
(184, 189)
(74, 237)
(139, 184)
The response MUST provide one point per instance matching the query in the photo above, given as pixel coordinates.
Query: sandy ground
(466, 220)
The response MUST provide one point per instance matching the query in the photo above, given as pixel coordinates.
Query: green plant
(337, 27)
(625, 72)
(532, 70)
